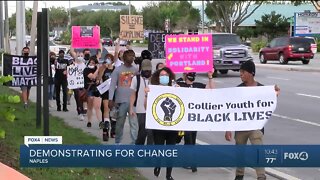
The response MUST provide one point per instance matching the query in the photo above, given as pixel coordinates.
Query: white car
(54, 48)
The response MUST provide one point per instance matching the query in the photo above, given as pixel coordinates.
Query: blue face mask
(108, 61)
(164, 80)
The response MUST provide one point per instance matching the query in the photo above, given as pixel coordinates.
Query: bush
(256, 46)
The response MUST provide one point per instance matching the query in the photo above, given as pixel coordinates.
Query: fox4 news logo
(303, 156)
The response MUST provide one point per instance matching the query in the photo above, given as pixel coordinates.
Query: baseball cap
(146, 65)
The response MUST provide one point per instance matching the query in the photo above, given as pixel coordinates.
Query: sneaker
(80, 117)
(58, 108)
(65, 110)
(25, 106)
(194, 169)
(105, 136)
(113, 135)
(239, 177)
(101, 124)
(89, 124)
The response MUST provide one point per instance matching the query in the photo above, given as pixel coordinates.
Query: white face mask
(91, 66)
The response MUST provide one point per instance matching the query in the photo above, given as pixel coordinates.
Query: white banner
(75, 76)
(226, 109)
(103, 87)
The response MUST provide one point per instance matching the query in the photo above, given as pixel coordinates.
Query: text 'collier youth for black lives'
(237, 116)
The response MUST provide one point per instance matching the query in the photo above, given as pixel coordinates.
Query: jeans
(143, 133)
(51, 91)
(121, 119)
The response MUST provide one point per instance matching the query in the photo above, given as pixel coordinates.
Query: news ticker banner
(170, 155)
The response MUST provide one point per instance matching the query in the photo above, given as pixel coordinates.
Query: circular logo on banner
(168, 109)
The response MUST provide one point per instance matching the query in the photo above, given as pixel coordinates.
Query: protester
(104, 74)
(61, 80)
(79, 61)
(51, 78)
(138, 101)
(25, 89)
(164, 77)
(120, 90)
(189, 82)
(145, 54)
(247, 73)
(90, 74)
(160, 65)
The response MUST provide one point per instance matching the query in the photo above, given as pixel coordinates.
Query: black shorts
(105, 96)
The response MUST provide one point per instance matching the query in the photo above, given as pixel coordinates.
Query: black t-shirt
(258, 84)
(88, 81)
(193, 85)
(60, 67)
(107, 74)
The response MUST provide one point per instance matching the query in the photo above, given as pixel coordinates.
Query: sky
(42, 4)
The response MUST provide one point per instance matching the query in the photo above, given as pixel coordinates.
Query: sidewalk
(178, 173)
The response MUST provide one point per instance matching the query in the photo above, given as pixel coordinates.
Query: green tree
(272, 25)
(222, 12)
(12, 22)
(58, 17)
(245, 33)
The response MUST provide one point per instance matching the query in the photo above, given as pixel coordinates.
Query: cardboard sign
(104, 87)
(75, 76)
(156, 44)
(131, 27)
(86, 37)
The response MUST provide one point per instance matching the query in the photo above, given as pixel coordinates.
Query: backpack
(138, 87)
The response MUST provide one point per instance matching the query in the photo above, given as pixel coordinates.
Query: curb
(276, 67)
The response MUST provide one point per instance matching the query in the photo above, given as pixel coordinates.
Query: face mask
(191, 78)
(87, 56)
(91, 66)
(108, 61)
(61, 56)
(81, 59)
(25, 54)
(146, 74)
(101, 61)
(164, 80)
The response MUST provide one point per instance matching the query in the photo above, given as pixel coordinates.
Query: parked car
(123, 42)
(284, 49)
(228, 52)
(107, 41)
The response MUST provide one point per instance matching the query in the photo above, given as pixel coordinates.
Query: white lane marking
(308, 95)
(297, 120)
(270, 171)
(270, 77)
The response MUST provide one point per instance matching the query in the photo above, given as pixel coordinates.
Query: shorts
(23, 88)
(93, 93)
(105, 96)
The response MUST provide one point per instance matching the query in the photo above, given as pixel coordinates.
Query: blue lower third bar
(171, 155)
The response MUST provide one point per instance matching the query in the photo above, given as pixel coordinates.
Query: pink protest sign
(189, 53)
(86, 37)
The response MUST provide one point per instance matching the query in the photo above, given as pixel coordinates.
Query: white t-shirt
(141, 94)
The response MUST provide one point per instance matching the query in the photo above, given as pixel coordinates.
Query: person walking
(138, 101)
(164, 77)
(25, 89)
(121, 79)
(247, 73)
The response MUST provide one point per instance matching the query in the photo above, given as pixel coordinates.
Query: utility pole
(6, 28)
(129, 7)
(202, 17)
(19, 32)
(33, 32)
(1, 26)
(69, 13)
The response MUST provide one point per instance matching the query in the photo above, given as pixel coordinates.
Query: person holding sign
(247, 73)
(189, 78)
(25, 89)
(105, 71)
(165, 77)
(90, 75)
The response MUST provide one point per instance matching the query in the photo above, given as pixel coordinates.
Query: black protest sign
(156, 44)
(22, 69)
